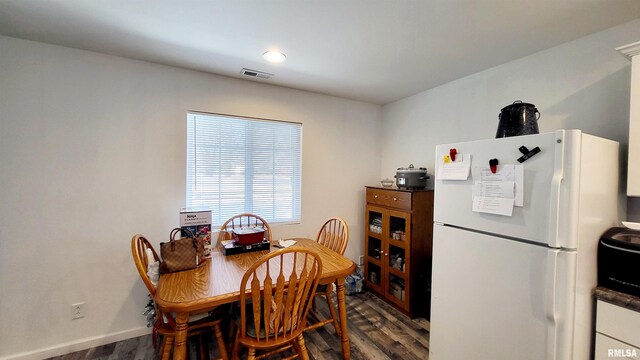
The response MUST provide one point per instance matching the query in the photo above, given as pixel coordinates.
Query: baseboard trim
(78, 345)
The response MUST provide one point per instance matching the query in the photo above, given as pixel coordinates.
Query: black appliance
(518, 119)
(619, 260)
(411, 178)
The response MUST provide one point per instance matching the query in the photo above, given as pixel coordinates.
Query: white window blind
(239, 165)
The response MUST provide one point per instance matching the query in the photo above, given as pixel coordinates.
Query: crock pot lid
(412, 169)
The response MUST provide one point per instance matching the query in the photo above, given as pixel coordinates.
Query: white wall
(92, 151)
(583, 84)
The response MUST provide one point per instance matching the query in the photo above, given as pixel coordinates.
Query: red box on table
(248, 236)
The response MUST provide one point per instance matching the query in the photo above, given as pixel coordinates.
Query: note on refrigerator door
(498, 184)
(503, 173)
(493, 205)
(454, 170)
(500, 189)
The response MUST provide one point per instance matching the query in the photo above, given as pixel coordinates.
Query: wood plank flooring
(377, 332)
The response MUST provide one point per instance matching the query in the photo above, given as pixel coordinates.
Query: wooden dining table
(217, 282)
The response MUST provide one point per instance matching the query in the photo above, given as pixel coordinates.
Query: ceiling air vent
(255, 73)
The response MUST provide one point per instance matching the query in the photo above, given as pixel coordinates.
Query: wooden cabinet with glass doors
(398, 241)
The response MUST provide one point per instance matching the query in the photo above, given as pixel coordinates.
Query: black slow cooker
(411, 178)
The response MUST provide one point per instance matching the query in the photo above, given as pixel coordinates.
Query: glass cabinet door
(398, 227)
(374, 274)
(375, 248)
(376, 222)
(396, 288)
(397, 259)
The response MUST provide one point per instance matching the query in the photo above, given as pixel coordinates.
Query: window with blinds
(241, 165)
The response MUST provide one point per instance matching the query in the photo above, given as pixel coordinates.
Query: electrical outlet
(77, 311)
(361, 260)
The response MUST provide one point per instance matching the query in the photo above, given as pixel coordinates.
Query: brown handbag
(181, 254)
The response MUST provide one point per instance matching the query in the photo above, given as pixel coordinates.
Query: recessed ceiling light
(274, 56)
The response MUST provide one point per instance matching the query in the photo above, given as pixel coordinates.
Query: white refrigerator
(520, 286)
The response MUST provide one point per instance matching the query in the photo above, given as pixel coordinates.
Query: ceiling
(376, 51)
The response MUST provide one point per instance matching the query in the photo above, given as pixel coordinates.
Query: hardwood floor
(376, 330)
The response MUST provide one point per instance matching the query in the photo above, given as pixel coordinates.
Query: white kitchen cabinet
(633, 174)
(617, 332)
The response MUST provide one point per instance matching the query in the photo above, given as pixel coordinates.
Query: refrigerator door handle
(556, 181)
(560, 303)
(550, 306)
(557, 305)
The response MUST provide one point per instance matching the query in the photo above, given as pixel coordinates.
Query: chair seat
(251, 328)
(197, 317)
(204, 318)
(195, 321)
(216, 314)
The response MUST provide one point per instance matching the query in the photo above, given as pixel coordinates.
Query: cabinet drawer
(389, 198)
(608, 348)
(618, 322)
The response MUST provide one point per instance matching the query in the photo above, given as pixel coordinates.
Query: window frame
(296, 208)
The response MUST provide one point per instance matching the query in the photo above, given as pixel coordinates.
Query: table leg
(180, 349)
(342, 310)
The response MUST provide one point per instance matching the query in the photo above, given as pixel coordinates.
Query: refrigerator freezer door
(545, 175)
(494, 298)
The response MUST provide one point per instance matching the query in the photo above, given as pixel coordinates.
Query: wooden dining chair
(244, 221)
(333, 234)
(273, 316)
(165, 323)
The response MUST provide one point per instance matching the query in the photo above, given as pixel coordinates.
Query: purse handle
(175, 231)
